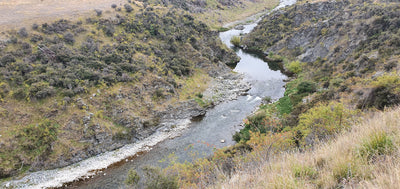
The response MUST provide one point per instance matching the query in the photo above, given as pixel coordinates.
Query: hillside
(215, 13)
(351, 47)
(334, 127)
(365, 156)
(74, 89)
(85, 77)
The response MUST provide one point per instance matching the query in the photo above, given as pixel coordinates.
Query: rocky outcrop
(351, 48)
(332, 30)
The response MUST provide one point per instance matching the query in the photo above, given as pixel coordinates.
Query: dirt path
(19, 13)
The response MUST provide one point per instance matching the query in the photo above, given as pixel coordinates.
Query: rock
(239, 27)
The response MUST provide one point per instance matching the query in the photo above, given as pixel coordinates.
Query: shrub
(155, 179)
(267, 100)
(114, 6)
(6, 59)
(26, 47)
(35, 26)
(98, 12)
(41, 90)
(128, 8)
(322, 120)
(261, 122)
(384, 92)
(22, 32)
(19, 93)
(69, 38)
(36, 139)
(306, 87)
(294, 67)
(4, 90)
(199, 95)
(133, 177)
(284, 105)
(235, 40)
(36, 38)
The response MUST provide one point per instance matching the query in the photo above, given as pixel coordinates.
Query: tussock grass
(365, 156)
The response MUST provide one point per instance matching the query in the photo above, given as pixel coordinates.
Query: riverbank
(223, 88)
(227, 88)
(219, 124)
(88, 90)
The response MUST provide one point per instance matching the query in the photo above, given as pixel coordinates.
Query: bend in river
(219, 123)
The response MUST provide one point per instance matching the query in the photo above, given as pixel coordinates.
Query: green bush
(325, 120)
(235, 40)
(306, 87)
(294, 67)
(385, 92)
(36, 139)
(133, 177)
(261, 122)
(284, 105)
(156, 179)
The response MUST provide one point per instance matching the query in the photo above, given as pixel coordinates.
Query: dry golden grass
(23, 13)
(338, 163)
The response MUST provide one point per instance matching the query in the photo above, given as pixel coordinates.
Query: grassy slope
(365, 156)
(313, 136)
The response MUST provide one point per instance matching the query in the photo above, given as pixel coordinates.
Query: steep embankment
(350, 47)
(73, 89)
(344, 58)
(365, 156)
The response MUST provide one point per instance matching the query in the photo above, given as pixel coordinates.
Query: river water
(219, 123)
(196, 137)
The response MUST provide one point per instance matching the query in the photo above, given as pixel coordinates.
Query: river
(201, 136)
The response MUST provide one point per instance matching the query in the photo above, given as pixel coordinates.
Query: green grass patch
(377, 144)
